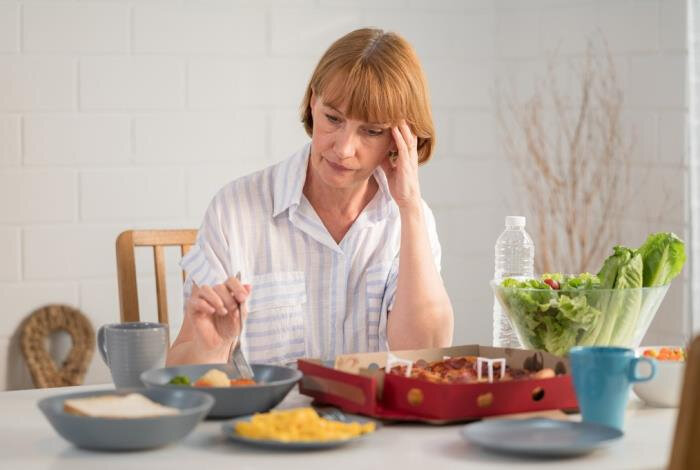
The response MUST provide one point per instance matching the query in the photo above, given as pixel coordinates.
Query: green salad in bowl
(614, 307)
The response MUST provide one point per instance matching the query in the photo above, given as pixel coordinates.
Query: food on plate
(133, 405)
(664, 390)
(241, 382)
(665, 354)
(299, 425)
(463, 369)
(558, 311)
(212, 378)
(180, 380)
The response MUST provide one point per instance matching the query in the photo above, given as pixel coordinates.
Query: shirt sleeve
(436, 250)
(209, 260)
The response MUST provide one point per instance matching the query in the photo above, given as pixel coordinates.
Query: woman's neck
(338, 207)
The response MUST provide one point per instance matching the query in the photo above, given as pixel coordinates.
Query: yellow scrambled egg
(299, 425)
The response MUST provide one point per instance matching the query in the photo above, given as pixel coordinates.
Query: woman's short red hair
(378, 78)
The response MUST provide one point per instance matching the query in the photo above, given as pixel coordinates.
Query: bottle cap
(515, 221)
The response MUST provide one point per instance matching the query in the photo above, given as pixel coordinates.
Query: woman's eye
(333, 119)
(374, 132)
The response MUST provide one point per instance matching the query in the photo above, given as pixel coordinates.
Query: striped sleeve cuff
(200, 269)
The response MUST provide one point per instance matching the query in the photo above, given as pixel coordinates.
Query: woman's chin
(338, 180)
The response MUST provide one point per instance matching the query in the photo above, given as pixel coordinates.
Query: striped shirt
(311, 297)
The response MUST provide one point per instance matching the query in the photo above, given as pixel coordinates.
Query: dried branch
(574, 171)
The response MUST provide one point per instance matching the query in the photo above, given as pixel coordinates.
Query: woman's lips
(337, 167)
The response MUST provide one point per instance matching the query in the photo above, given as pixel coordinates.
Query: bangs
(366, 93)
(375, 77)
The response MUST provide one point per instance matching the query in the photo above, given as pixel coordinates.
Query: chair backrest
(686, 452)
(126, 267)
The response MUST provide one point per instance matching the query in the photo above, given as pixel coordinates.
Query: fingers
(198, 304)
(408, 136)
(221, 299)
(243, 309)
(406, 142)
(208, 294)
(224, 294)
(401, 143)
(239, 291)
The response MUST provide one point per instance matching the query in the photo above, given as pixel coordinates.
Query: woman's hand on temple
(402, 170)
(218, 313)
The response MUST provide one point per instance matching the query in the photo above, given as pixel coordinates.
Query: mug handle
(633, 369)
(101, 346)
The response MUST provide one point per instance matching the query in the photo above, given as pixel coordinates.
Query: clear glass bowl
(556, 320)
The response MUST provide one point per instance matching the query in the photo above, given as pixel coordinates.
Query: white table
(27, 441)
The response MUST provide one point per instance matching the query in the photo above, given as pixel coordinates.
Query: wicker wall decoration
(38, 326)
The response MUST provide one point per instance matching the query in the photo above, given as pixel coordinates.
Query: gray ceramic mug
(131, 348)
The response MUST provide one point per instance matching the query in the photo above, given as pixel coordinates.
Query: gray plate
(539, 437)
(128, 434)
(230, 432)
(274, 382)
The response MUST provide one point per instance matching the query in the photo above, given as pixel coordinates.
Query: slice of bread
(133, 405)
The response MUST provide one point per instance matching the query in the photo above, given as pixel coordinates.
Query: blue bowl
(273, 384)
(130, 433)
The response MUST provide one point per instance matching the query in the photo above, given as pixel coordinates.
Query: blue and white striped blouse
(312, 297)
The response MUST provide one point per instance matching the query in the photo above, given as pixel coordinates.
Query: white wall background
(131, 114)
(694, 156)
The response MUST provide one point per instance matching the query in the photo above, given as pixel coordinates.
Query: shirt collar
(290, 176)
(289, 179)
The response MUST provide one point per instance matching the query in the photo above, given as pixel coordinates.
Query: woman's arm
(422, 314)
(213, 321)
(184, 349)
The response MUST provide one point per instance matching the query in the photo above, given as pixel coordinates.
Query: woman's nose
(345, 143)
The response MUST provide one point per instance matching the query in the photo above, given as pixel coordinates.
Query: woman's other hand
(217, 314)
(402, 169)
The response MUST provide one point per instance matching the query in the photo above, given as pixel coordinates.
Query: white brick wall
(148, 194)
(195, 30)
(82, 28)
(10, 137)
(658, 80)
(9, 27)
(132, 114)
(76, 139)
(641, 31)
(132, 83)
(307, 33)
(211, 138)
(32, 196)
(10, 253)
(34, 83)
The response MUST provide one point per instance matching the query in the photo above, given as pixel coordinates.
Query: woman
(332, 250)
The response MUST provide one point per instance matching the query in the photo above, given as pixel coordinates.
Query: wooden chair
(126, 267)
(686, 453)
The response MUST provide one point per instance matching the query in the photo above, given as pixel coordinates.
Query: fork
(239, 361)
(334, 414)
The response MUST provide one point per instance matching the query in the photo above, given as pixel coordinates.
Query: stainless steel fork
(237, 359)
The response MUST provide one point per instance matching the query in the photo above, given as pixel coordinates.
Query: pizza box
(357, 383)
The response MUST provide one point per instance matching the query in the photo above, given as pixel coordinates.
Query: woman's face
(345, 152)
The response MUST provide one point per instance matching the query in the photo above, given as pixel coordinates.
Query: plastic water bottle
(515, 257)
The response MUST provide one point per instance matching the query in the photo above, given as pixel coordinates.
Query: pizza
(463, 369)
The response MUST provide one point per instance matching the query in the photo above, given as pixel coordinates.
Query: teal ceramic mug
(602, 379)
